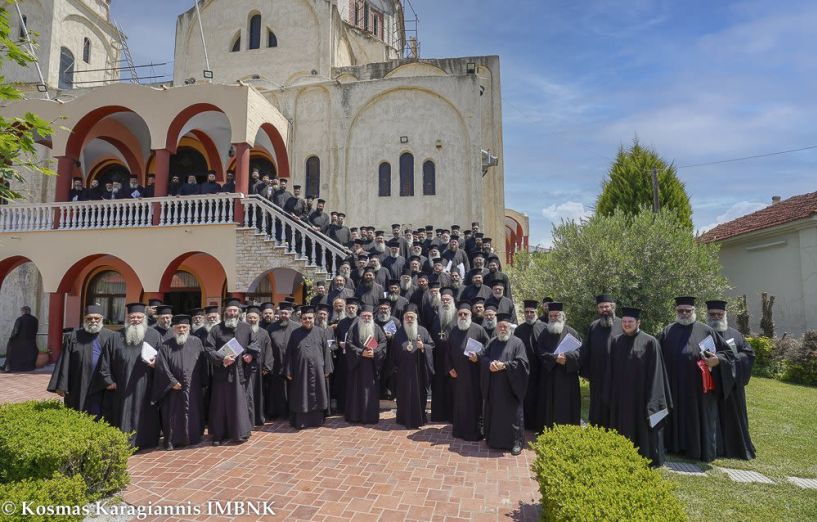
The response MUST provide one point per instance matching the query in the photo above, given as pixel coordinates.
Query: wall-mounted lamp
(403, 139)
(208, 75)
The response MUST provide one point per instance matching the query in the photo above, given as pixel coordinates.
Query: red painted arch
(181, 119)
(204, 275)
(213, 157)
(10, 263)
(280, 150)
(83, 127)
(69, 280)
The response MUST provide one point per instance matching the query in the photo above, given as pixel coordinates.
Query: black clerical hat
(384, 301)
(307, 309)
(479, 235)
(477, 300)
(627, 311)
(500, 318)
(164, 310)
(393, 282)
(353, 301)
(180, 319)
(486, 239)
(475, 272)
(253, 309)
(379, 233)
(555, 307)
(435, 284)
(464, 305)
(322, 307)
(429, 227)
(422, 275)
(289, 299)
(154, 302)
(393, 243)
(285, 305)
(366, 308)
(447, 291)
(498, 282)
(296, 186)
(212, 309)
(437, 260)
(491, 307)
(531, 303)
(455, 227)
(475, 223)
(320, 283)
(411, 307)
(321, 201)
(267, 306)
(685, 301)
(93, 309)
(396, 225)
(716, 304)
(547, 300)
(415, 258)
(604, 298)
(232, 301)
(135, 308)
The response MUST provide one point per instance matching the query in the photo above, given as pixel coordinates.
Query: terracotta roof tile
(793, 209)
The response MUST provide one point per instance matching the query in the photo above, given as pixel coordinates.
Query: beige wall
(782, 262)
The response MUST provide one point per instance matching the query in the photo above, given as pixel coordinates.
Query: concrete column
(161, 164)
(242, 176)
(56, 318)
(65, 171)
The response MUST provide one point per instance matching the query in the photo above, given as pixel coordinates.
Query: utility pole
(656, 204)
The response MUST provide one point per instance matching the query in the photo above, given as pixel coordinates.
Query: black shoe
(516, 450)
(216, 443)
(168, 447)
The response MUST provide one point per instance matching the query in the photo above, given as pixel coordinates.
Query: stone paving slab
(804, 483)
(685, 468)
(338, 472)
(742, 475)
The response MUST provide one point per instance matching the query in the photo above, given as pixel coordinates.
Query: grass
(783, 426)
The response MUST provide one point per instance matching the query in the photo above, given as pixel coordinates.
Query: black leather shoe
(516, 450)
(216, 443)
(168, 447)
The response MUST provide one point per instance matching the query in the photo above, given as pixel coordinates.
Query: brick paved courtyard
(339, 472)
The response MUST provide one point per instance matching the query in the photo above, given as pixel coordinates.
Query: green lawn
(783, 425)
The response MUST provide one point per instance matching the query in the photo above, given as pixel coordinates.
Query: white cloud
(739, 209)
(567, 211)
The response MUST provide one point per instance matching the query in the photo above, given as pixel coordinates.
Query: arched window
(236, 43)
(384, 180)
(66, 69)
(86, 50)
(23, 28)
(255, 31)
(429, 178)
(107, 289)
(272, 40)
(406, 174)
(313, 177)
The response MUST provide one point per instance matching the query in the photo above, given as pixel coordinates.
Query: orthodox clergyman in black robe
(638, 388)
(411, 360)
(74, 371)
(529, 331)
(365, 354)
(464, 371)
(229, 417)
(260, 351)
(127, 380)
(442, 385)
(178, 385)
(503, 380)
(594, 356)
(737, 444)
(307, 366)
(698, 379)
(338, 380)
(21, 350)
(275, 394)
(559, 397)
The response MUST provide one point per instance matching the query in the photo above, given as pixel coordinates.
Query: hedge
(594, 474)
(41, 438)
(65, 496)
(787, 359)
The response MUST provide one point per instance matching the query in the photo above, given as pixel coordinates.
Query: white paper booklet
(231, 349)
(708, 345)
(390, 328)
(148, 352)
(473, 346)
(568, 344)
(657, 417)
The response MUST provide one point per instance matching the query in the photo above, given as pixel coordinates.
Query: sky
(699, 81)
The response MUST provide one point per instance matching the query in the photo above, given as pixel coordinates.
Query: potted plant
(43, 356)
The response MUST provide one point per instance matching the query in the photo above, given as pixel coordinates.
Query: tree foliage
(644, 260)
(628, 186)
(18, 135)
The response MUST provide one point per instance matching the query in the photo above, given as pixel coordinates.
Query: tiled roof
(793, 209)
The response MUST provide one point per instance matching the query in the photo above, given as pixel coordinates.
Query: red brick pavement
(339, 472)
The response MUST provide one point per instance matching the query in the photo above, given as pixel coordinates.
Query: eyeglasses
(684, 310)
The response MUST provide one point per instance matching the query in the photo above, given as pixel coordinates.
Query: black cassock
(275, 382)
(594, 357)
(503, 392)
(637, 388)
(182, 410)
(74, 371)
(128, 407)
(693, 429)
(253, 377)
(202, 334)
(442, 385)
(737, 444)
(387, 384)
(363, 377)
(21, 350)
(338, 379)
(413, 369)
(559, 399)
(307, 365)
(467, 394)
(503, 306)
(529, 333)
(229, 410)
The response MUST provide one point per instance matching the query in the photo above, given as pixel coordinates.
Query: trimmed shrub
(799, 359)
(767, 363)
(41, 438)
(65, 496)
(595, 474)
